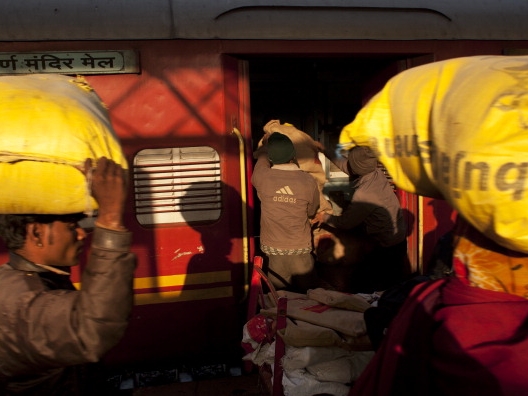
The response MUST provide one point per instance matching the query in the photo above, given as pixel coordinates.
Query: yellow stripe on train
(203, 278)
(182, 280)
(183, 295)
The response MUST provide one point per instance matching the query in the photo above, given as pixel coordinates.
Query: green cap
(280, 148)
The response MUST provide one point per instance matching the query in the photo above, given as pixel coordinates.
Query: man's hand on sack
(319, 218)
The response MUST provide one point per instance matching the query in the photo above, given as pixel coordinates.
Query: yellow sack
(458, 130)
(49, 125)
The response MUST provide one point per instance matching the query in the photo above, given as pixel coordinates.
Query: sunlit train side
(189, 85)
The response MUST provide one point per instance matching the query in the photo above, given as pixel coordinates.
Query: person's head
(55, 240)
(362, 160)
(280, 149)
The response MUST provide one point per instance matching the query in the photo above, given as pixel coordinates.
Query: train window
(177, 185)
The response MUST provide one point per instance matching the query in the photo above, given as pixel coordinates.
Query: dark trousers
(380, 269)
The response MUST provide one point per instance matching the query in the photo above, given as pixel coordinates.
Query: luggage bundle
(50, 125)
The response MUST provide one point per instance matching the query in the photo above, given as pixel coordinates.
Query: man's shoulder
(296, 174)
(5, 269)
(305, 176)
(17, 281)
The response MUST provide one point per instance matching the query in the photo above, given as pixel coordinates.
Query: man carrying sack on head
(456, 130)
(289, 197)
(51, 334)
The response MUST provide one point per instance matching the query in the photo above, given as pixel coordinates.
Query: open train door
(238, 121)
(320, 95)
(412, 204)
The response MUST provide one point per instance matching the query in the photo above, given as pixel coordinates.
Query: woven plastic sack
(336, 299)
(300, 307)
(50, 125)
(457, 130)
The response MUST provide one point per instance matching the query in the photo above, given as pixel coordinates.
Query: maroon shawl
(452, 339)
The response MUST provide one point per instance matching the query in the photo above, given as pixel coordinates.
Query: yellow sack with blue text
(49, 125)
(458, 130)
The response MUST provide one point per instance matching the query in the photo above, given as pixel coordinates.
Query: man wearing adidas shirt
(289, 199)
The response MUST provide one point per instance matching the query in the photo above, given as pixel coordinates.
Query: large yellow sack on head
(457, 129)
(49, 125)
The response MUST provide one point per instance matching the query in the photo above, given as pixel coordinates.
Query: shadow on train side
(214, 323)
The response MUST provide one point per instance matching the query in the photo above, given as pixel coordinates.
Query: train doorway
(320, 96)
(317, 95)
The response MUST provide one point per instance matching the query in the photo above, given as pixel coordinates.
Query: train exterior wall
(191, 276)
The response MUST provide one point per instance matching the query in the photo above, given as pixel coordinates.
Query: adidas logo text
(285, 190)
(286, 197)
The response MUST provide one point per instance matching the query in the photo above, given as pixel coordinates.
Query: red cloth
(452, 339)
(258, 328)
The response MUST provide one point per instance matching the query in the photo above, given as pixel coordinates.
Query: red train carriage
(189, 86)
